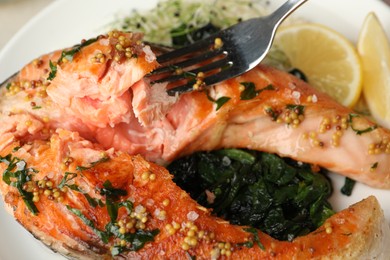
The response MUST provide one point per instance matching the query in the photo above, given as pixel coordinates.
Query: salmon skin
(78, 123)
(89, 203)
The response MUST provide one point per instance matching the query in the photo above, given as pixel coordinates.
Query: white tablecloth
(15, 13)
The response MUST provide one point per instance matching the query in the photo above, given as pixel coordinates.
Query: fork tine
(213, 65)
(210, 80)
(192, 73)
(221, 76)
(199, 45)
(192, 61)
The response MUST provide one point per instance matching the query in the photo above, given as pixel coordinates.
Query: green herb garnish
(109, 191)
(299, 109)
(16, 175)
(92, 164)
(269, 87)
(357, 131)
(68, 55)
(66, 179)
(374, 166)
(65, 182)
(137, 239)
(16, 148)
(104, 236)
(250, 91)
(220, 101)
(256, 238)
(53, 71)
(93, 201)
(272, 113)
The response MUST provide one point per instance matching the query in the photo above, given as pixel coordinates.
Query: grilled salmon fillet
(91, 203)
(100, 88)
(78, 123)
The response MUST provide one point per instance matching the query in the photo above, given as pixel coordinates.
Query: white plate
(66, 22)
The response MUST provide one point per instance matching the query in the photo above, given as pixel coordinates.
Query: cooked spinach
(348, 186)
(281, 197)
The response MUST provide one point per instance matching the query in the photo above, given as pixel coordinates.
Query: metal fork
(223, 55)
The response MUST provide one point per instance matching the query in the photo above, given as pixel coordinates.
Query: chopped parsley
(299, 109)
(66, 179)
(109, 191)
(92, 164)
(272, 113)
(219, 102)
(17, 174)
(250, 91)
(93, 201)
(53, 71)
(104, 236)
(136, 239)
(68, 55)
(374, 166)
(358, 131)
(256, 238)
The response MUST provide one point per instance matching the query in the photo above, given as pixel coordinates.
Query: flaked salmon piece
(88, 84)
(150, 104)
(90, 203)
(105, 98)
(94, 85)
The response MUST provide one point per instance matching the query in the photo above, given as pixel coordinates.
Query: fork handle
(283, 11)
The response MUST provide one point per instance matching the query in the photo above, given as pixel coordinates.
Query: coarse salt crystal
(158, 214)
(149, 202)
(139, 209)
(20, 165)
(149, 55)
(192, 216)
(104, 42)
(292, 85)
(296, 95)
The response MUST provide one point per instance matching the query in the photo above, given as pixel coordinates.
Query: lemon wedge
(329, 61)
(374, 50)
